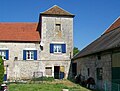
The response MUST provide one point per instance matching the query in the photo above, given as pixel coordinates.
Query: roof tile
(19, 32)
(56, 10)
(115, 25)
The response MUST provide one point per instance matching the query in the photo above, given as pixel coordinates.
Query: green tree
(1, 70)
(75, 50)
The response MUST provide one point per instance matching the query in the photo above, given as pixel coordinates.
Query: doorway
(74, 69)
(59, 72)
(56, 72)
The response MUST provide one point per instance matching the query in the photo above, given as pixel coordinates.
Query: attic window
(58, 27)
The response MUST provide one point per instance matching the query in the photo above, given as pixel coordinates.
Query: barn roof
(114, 25)
(109, 40)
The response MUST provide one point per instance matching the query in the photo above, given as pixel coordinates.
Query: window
(57, 48)
(88, 71)
(99, 56)
(4, 54)
(99, 73)
(58, 27)
(15, 58)
(29, 54)
(48, 71)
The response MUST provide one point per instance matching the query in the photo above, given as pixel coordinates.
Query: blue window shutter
(51, 48)
(63, 48)
(24, 54)
(7, 54)
(35, 54)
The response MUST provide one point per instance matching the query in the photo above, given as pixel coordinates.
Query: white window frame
(57, 46)
(31, 54)
(3, 54)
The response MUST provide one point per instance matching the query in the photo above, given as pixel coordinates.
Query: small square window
(58, 27)
(48, 71)
(15, 58)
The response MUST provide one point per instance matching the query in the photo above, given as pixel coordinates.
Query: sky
(92, 17)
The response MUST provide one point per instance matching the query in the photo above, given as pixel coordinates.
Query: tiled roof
(56, 10)
(19, 32)
(114, 25)
(109, 40)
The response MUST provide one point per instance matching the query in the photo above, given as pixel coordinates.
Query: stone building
(101, 58)
(41, 48)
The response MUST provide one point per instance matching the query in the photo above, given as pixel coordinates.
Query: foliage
(75, 51)
(43, 79)
(1, 70)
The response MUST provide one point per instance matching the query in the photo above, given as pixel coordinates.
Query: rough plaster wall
(49, 35)
(92, 62)
(24, 69)
(16, 49)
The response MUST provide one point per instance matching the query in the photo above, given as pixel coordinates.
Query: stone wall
(93, 63)
(64, 36)
(50, 35)
(16, 49)
(17, 70)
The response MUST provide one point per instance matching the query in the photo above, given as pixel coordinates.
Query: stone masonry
(93, 63)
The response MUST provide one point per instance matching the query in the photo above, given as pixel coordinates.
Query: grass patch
(36, 87)
(47, 86)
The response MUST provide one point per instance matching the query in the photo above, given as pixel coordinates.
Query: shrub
(43, 79)
(1, 70)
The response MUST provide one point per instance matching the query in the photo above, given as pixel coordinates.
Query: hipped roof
(56, 10)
